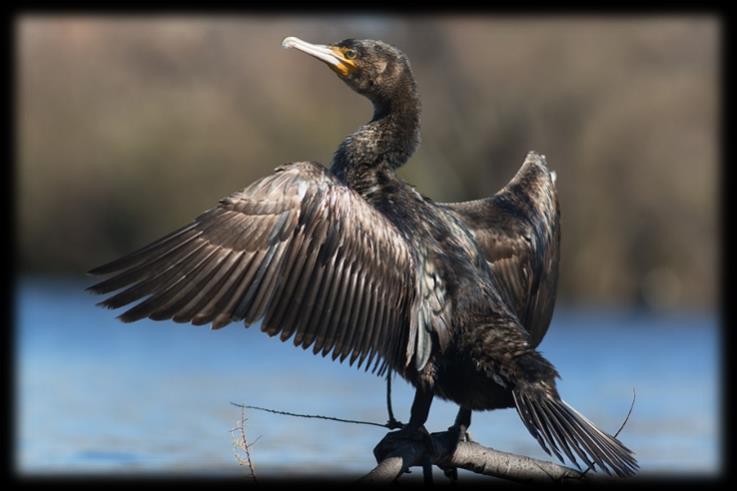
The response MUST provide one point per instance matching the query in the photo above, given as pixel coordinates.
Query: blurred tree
(129, 127)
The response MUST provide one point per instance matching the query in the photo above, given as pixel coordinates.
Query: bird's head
(374, 69)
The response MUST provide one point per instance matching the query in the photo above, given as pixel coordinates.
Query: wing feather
(297, 250)
(518, 231)
(212, 290)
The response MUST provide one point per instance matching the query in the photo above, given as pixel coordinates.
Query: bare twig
(314, 416)
(392, 422)
(621, 427)
(632, 405)
(389, 394)
(241, 442)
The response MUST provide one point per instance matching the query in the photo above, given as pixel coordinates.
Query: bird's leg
(416, 427)
(458, 433)
(459, 430)
(420, 409)
(414, 430)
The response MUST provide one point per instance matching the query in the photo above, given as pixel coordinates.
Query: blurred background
(129, 127)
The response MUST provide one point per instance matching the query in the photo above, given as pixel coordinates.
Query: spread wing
(518, 231)
(297, 250)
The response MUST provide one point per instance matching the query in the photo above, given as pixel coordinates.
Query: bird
(350, 260)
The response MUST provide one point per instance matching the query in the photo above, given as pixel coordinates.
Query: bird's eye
(350, 54)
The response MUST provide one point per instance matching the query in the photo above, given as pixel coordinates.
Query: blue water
(96, 395)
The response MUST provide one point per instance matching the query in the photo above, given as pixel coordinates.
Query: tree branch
(396, 455)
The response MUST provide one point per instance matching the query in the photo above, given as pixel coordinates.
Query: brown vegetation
(130, 127)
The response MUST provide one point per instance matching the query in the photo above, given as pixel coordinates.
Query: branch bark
(395, 456)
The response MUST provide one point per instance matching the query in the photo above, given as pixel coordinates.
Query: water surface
(95, 395)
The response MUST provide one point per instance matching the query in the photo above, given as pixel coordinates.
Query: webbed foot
(458, 434)
(395, 439)
(394, 424)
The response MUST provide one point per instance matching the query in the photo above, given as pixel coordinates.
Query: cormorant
(353, 261)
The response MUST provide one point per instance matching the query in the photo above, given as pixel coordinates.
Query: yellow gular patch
(345, 66)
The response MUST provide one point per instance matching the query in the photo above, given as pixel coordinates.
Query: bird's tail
(559, 427)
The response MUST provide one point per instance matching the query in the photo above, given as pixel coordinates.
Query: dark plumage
(354, 262)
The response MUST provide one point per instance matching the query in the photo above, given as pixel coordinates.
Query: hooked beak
(332, 56)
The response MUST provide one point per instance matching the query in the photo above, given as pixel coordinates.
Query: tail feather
(551, 426)
(612, 447)
(556, 426)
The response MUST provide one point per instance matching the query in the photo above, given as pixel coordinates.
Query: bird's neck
(376, 149)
